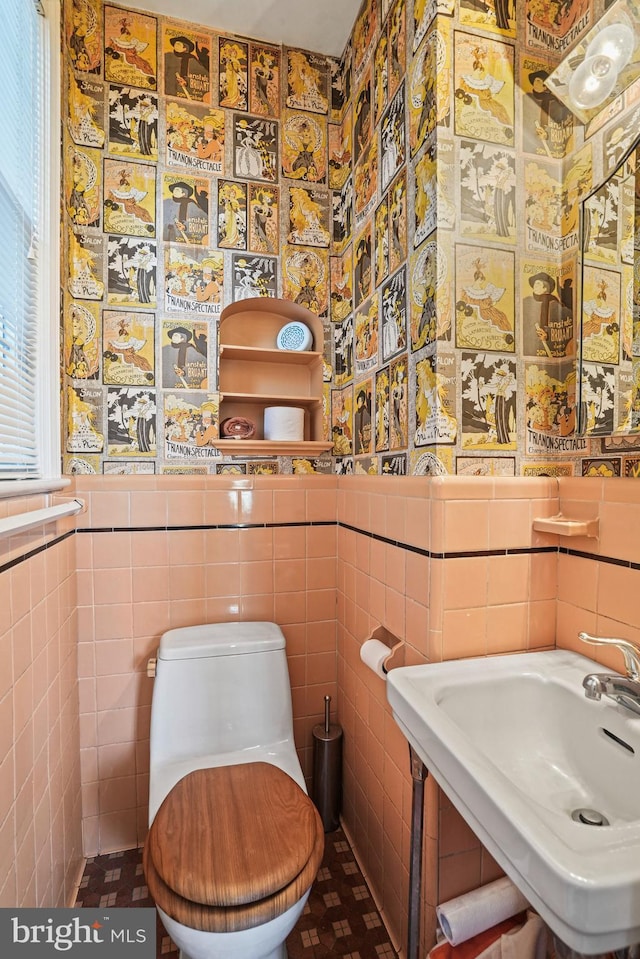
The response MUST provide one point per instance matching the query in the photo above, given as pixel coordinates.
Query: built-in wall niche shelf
(564, 526)
(254, 374)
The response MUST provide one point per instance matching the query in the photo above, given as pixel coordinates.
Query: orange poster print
(484, 89)
(306, 278)
(485, 299)
(82, 185)
(187, 64)
(342, 421)
(82, 31)
(130, 48)
(364, 34)
(81, 340)
(233, 74)
(304, 146)
(263, 218)
(129, 198)
(366, 182)
(340, 151)
(397, 26)
(341, 286)
(307, 81)
(264, 78)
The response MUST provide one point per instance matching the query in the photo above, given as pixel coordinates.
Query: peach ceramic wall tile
(288, 542)
(117, 831)
(185, 510)
(321, 605)
(111, 550)
(321, 504)
(464, 633)
(110, 509)
(254, 545)
(150, 586)
(149, 508)
(149, 621)
(542, 627)
(509, 579)
(618, 589)
(222, 579)
(465, 582)
(221, 507)
(321, 541)
(117, 691)
(507, 628)
(394, 612)
(290, 575)
(466, 526)
(580, 488)
(259, 577)
(186, 582)
(289, 505)
(112, 586)
(114, 656)
(255, 506)
(572, 620)
(619, 525)
(20, 585)
(257, 607)
(459, 874)
(489, 868)
(416, 632)
(117, 794)
(510, 524)
(578, 580)
(461, 488)
(543, 576)
(187, 612)
(417, 576)
(114, 621)
(455, 835)
(398, 518)
(418, 525)
(186, 547)
(395, 568)
(321, 573)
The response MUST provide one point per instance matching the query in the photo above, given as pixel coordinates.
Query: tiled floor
(340, 918)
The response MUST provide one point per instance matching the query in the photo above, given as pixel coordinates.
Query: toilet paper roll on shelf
(283, 423)
(373, 654)
(468, 915)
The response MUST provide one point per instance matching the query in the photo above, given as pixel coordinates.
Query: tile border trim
(378, 537)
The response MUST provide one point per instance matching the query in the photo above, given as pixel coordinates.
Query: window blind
(22, 86)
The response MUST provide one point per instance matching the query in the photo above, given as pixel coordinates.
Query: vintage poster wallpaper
(420, 194)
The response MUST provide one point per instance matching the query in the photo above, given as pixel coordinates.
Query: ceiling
(322, 26)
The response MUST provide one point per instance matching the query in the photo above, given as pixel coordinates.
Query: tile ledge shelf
(563, 526)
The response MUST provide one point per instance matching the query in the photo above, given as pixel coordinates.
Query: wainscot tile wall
(450, 565)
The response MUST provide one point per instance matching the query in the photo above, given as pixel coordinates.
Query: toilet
(234, 841)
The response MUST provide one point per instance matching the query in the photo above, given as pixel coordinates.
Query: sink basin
(519, 749)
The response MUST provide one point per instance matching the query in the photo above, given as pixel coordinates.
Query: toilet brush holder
(327, 769)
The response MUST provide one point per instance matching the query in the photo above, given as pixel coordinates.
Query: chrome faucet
(624, 690)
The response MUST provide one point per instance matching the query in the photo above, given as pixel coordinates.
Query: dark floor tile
(339, 920)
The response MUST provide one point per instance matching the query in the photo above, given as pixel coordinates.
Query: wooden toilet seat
(232, 847)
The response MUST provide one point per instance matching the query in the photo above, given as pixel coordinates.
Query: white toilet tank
(219, 688)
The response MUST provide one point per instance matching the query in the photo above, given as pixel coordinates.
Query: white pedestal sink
(518, 749)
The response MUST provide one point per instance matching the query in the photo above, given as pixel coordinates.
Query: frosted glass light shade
(616, 42)
(595, 78)
(592, 82)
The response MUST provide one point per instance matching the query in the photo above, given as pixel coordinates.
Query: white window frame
(48, 371)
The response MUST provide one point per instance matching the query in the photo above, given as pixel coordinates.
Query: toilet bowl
(234, 842)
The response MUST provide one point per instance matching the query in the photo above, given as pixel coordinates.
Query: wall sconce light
(605, 57)
(601, 66)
